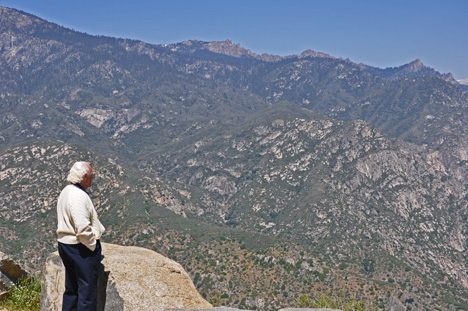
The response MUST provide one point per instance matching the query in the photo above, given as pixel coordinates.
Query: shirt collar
(81, 187)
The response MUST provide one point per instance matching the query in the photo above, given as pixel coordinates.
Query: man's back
(77, 220)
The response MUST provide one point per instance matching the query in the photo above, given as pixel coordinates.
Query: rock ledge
(131, 278)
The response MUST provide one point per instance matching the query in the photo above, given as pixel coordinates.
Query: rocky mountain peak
(236, 50)
(311, 53)
(11, 18)
(415, 65)
(228, 48)
(414, 68)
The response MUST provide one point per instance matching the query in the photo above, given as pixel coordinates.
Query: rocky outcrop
(10, 273)
(131, 278)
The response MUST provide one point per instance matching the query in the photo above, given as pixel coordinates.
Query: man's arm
(82, 221)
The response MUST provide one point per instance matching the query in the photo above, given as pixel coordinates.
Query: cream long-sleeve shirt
(77, 218)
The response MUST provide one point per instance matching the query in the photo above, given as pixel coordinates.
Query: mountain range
(300, 175)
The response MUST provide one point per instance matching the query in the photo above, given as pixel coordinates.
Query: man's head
(81, 173)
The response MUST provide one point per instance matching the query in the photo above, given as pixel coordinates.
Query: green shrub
(24, 296)
(335, 303)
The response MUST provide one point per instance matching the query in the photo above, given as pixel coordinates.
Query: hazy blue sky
(381, 33)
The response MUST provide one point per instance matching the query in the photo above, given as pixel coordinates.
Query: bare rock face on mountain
(131, 278)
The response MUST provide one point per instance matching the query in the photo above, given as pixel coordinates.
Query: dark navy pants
(81, 276)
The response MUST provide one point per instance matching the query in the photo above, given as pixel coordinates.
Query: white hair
(78, 170)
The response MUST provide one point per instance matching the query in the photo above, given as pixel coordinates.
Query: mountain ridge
(414, 68)
(236, 50)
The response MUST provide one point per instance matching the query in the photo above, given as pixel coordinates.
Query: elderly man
(78, 232)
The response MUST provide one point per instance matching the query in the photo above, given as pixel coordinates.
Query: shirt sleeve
(82, 222)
